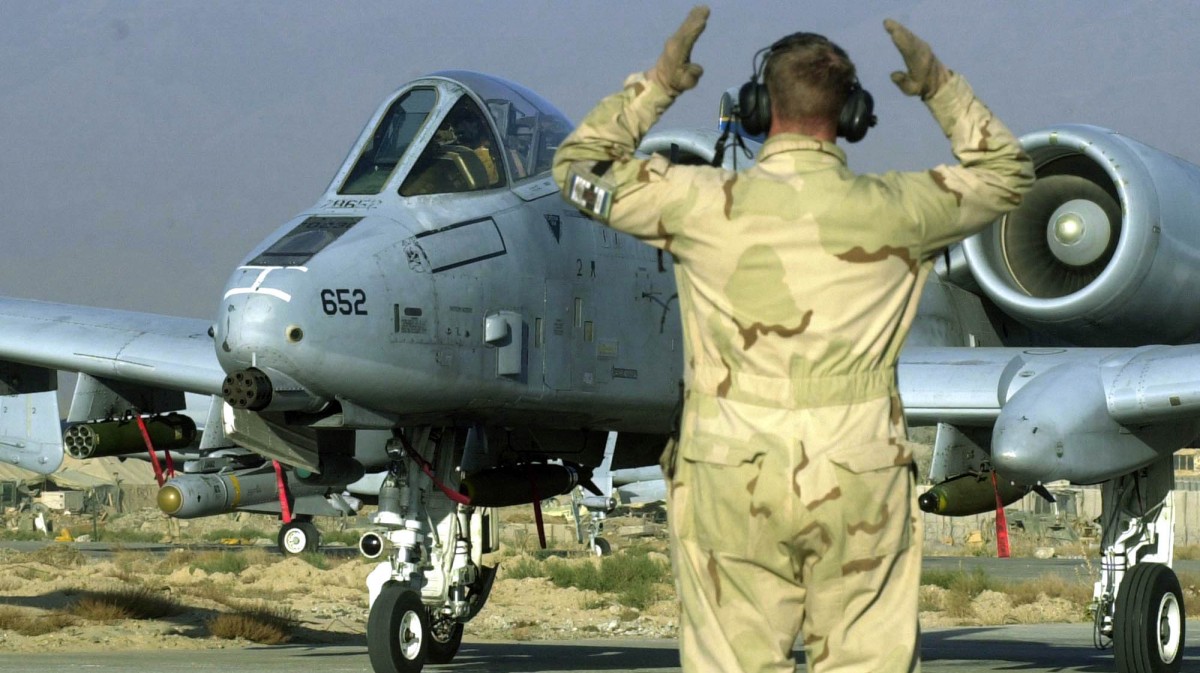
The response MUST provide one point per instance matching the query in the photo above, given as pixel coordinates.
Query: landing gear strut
(431, 543)
(1138, 600)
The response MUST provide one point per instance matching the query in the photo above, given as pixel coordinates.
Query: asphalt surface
(1057, 648)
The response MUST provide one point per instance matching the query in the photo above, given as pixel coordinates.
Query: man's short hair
(809, 77)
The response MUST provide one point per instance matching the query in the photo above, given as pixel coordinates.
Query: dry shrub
(56, 555)
(260, 624)
(259, 556)
(958, 604)
(178, 558)
(221, 593)
(1190, 583)
(209, 590)
(14, 619)
(1049, 586)
(220, 562)
(127, 603)
(96, 609)
(1189, 552)
(931, 598)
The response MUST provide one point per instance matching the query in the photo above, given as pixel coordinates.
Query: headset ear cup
(754, 106)
(857, 115)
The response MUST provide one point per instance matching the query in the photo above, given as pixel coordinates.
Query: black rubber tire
(445, 637)
(398, 631)
(602, 547)
(292, 534)
(1149, 622)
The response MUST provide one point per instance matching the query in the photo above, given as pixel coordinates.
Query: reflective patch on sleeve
(589, 192)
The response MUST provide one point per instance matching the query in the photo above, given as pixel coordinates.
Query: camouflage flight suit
(791, 495)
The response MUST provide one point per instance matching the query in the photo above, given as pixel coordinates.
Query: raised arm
(595, 166)
(993, 173)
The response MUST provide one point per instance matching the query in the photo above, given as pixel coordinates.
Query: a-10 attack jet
(442, 334)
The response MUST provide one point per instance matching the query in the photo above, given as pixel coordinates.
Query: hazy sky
(145, 147)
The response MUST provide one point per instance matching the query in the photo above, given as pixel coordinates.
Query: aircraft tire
(602, 547)
(298, 537)
(445, 637)
(1149, 622)
(398, 634)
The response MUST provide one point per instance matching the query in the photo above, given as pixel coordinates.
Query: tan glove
(675, 71)
(926, 74)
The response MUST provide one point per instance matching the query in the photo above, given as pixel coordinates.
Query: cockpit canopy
(456, 131)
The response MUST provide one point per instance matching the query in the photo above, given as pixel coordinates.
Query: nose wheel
(1148, 628)
(398, 633)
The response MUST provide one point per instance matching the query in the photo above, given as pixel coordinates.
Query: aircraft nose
(259, 340)
(251, 327)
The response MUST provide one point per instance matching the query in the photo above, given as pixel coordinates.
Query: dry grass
(1049, 586)
(260, 624)
(1190, 583)
(223, 594)
(1189, 552)
(220, 562)
(126, 603)
(57, 555)
(962, 587)
(22, 622)
(259, 556)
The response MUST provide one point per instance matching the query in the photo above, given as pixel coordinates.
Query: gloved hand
(926, 74)
(675, 71)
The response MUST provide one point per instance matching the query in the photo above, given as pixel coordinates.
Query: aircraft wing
(139, 348)
(124, 354)
(1081, 414)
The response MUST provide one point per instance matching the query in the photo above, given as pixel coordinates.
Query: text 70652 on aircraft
(443, 334)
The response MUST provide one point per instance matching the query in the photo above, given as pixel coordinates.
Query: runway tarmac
(1034, 648)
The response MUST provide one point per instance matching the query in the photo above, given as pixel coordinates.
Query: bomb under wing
(969, 494)
(195, 495)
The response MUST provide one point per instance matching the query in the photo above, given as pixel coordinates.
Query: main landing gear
(298, 537)
(1138, 602)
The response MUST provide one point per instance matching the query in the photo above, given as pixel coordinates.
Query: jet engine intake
(1105, 248)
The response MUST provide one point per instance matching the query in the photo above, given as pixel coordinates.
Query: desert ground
(221, 584)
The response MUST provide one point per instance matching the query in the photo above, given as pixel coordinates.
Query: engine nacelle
(1105, 248)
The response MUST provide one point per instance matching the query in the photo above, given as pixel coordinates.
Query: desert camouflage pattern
(791, 485)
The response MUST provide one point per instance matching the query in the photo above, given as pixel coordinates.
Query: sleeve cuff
(950, 102)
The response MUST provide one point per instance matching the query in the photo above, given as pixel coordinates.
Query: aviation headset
(754, 101)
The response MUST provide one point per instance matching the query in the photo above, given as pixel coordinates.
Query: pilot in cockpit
(472, 133)
(461, 157)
